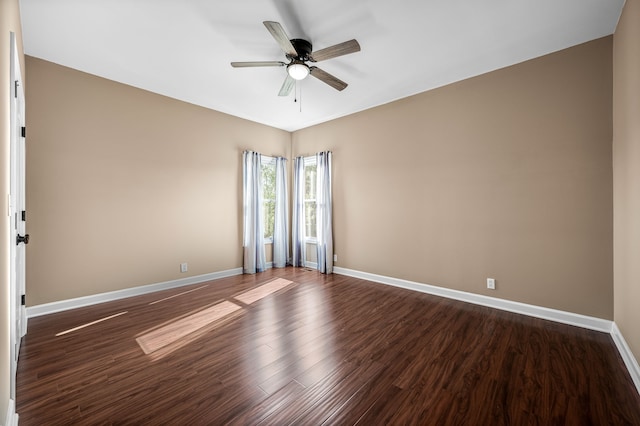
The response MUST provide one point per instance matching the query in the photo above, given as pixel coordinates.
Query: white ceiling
(182, 48)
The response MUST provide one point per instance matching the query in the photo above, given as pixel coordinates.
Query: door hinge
(23, 300)
(24, 215)
(15, 88)
(24, 132)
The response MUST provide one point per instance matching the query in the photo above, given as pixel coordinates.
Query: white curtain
(324, 224)
(297, 216)
(252, 214)
(281, 226)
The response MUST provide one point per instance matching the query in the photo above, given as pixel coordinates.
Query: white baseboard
(12, 416)
(627, 355)
(64, 305)
(564, 317)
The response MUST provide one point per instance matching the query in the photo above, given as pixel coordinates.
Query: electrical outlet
(491, 283)
(183, 267)
(335, 257)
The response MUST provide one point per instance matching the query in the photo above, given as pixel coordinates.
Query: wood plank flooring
(320, 350)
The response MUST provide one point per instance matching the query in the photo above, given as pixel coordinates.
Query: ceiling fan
(299, 52)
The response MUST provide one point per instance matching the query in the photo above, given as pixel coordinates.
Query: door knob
(22, 239)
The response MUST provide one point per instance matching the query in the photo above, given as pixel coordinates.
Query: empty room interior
(480, 260)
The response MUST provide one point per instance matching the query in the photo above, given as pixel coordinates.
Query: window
(310, 198)
(268, 169)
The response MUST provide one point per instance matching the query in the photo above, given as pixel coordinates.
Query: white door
(17, 213)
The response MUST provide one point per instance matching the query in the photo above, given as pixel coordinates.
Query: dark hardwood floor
(320, 350)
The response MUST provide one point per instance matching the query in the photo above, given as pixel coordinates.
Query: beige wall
(626, 174)
(123, 185)
(506, 175)
(9, 22)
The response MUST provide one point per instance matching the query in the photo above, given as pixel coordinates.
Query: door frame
(17, 252)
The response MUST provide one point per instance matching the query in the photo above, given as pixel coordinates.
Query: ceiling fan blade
(334, 51)
(258, 64)
(281, 37)
(327, 78)
(287, 86)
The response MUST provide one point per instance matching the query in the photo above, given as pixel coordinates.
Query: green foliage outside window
(269, 198)
(310, 200)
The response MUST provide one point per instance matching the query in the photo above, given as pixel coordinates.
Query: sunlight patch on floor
(181, 331)
(176, 330)
(179, 294)
(80, 327)
(253, 295)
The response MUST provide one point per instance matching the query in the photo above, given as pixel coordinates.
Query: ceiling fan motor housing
(303, 47)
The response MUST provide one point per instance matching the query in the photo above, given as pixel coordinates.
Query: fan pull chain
(295, 94)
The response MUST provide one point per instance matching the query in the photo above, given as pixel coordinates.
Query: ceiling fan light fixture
(298, 71)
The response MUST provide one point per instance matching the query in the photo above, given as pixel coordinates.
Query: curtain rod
(281, 156)
(311, 155)
(266, 155)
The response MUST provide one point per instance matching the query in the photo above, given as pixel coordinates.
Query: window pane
(310, 182)
(269, 197)
(269, 181)
(310, 219)
(269, 218)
